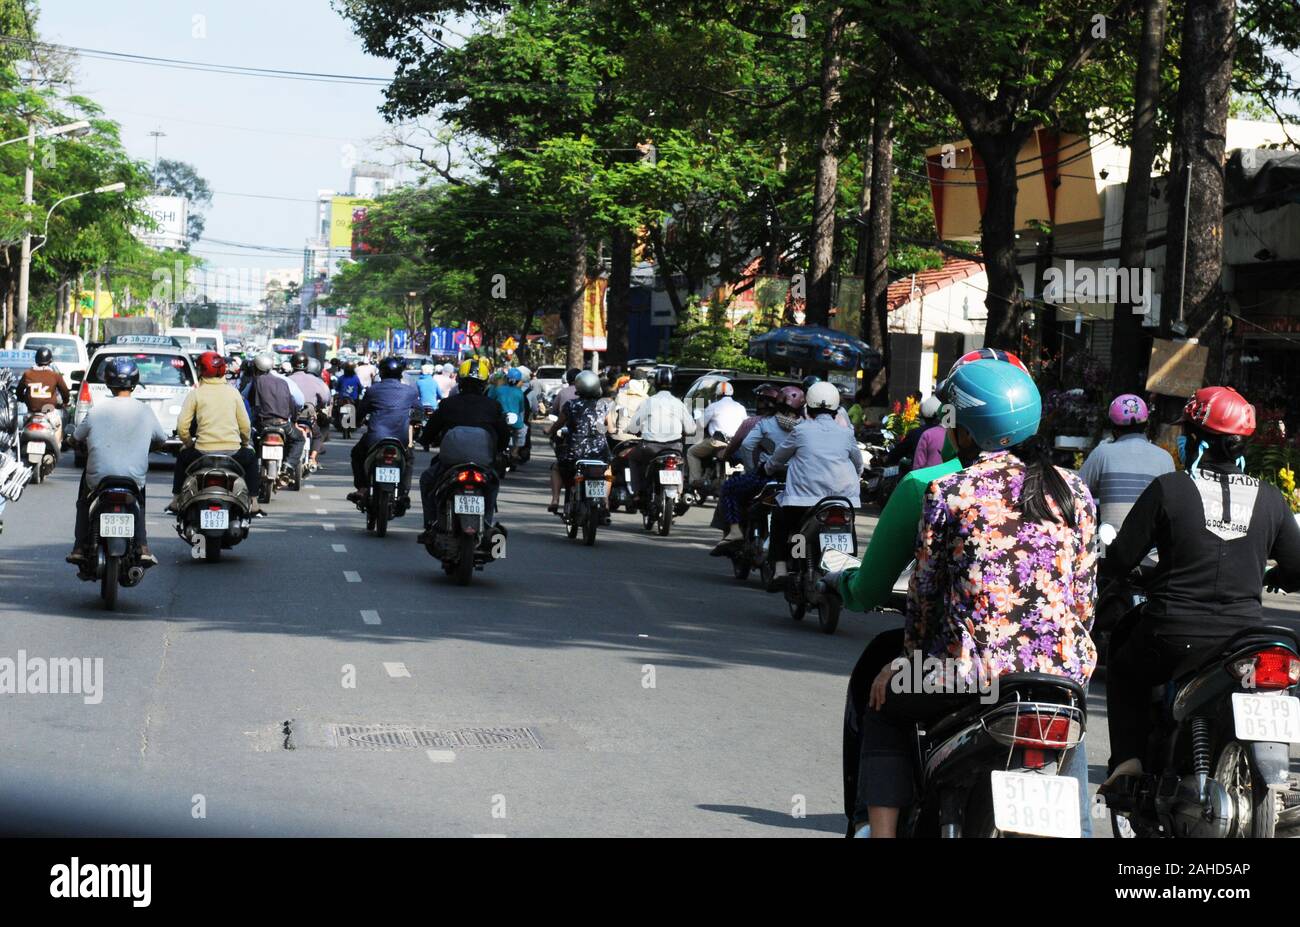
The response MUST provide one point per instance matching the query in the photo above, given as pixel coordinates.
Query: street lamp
(74, 129)
(110, 188)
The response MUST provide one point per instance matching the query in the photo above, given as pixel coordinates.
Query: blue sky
(245, 135)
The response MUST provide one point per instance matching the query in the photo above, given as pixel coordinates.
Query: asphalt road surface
(319, 680)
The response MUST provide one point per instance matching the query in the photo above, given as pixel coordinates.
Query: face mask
(787, 421)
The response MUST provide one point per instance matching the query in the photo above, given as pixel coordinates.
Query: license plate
(670, 477)
(468, 505)
(1274, 718)
(1043, 806)
(388, 475)
(595, 489)
(214, 519)
(35, 454)
(891, 471)
(841, 542)
(116, 525)
(512, 418)
(834, 561)
(272, 452)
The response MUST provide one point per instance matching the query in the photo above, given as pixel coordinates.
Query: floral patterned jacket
(998, 594)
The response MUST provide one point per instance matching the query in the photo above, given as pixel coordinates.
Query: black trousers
(785, 523)
(359, 452)
(81, 527)
(429, 482)
(246, 457)
(641, 455)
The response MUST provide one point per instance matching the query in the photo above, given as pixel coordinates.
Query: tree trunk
(998, 239)
(1200, 124)
(577, 290)
(775, 235)
(879, 231)
(1128, 356)
(619, 293)
(665, 272)
(821, 262)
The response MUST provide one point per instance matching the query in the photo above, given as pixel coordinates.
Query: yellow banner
(86, 304)
(593, 316)
(341, 208)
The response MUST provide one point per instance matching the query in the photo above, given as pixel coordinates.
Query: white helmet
(930, 407)
(822, 396)
(724, 389)
(426, 369)
(524, 373)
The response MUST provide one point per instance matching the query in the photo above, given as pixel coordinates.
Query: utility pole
(25, 265)
(157, 134)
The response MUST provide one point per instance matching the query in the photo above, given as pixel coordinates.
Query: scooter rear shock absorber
(1201, 746)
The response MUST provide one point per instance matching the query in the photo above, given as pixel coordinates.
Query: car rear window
(155, 369)
(549, 373)
(64, 351)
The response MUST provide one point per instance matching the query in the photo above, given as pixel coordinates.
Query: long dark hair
(1042, 482)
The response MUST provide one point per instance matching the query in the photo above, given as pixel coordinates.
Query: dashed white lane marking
(396, 670)
(352, 576)
(369, 616)
(315, 498)
(441, 756)
(643, 635)
(340, 548)
(322, 511)
(327, 526)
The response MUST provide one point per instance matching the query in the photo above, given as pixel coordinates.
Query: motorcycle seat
(116, 482)
(1033, 683)
(1199, 659)
(216, 462)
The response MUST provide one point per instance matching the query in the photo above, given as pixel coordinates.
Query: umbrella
(807, 346)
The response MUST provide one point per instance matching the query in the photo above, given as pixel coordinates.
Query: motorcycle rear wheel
(1255, 805)
(108, 582)
(381, 517)
(666, 516)
(589, 525)
(211, 550)
(828, 616)
(740, 568)
(465, 565)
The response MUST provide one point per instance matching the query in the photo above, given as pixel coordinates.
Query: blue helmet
(514, 375)
(997, 402)
(121, 373)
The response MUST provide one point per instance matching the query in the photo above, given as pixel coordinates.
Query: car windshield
(64, 351)
(204, 343)
(155, 369)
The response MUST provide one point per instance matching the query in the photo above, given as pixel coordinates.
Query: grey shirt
(467, 444)
(117, 433)
(821, 459)
(1117, 472)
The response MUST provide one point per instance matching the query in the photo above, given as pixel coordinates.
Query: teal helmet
(997, 402)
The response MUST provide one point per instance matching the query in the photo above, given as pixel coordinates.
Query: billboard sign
(171, 216)
(593, 316)
(343, 210)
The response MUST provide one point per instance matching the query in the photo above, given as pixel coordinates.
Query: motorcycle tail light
(390, 456)
(215, 480)
(117, 498)
(670, 463)
(837, 516)
(1274, 668)
(36, 426)
(469, 476)
(1043, 730)
(273, 439)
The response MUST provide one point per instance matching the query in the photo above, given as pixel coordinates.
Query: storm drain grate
(396, 737)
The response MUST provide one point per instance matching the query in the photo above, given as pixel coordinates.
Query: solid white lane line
(327, 526)
(441, 756)
(339, 548)
(396, 670)
(352, 576)
(322, 511)
(369, 616)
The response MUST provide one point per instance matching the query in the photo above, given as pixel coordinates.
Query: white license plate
(272, 452)
(214, 519)
(595, 489)
(116, 525)
(468, 505)
(35, 454)
(670, 477)
(1044, 806)
(835, 561)
(1274, 718)
(388, 475)
(890, 471)
(841, 542)
(512, 418)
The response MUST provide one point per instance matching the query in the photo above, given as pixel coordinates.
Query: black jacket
(475, 410)
(1213, 530)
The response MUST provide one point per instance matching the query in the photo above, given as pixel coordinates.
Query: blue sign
(401, 341)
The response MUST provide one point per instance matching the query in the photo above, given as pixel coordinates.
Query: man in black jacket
(1214, 528)
(468, 427)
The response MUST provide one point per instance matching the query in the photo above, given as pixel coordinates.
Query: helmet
(286, 367)
(809, 380)
(1128, 409)
(986, 354)
(513, 375)
(298, 361)
(664, 378)
(350, 368)
(121, 374)
(823, 397)
(391, 368)
(264, 362)
(314, 366)
(212, 364)
(792, 398)
(588, 385)
(997, 402)
(524, 373)
(426, 370)
(1220, 410)
(930, 406)
(43, 357)
(766, 395)
(474, 368)
(723, 390)
(571, 374)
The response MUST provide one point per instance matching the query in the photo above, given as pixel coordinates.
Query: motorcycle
(272, 438)
(213, 512)
(714, 473)
(829, 525)
(879, 481)
(757, 528)
(662, 497)
(1219, 745)
(345, 416)
(299, 468)
(620, 493)
(385, 471)
(114, 509)
(42, 439)
(585, 507)
(463, 540)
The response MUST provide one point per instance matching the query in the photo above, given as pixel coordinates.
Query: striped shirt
(1119, 470)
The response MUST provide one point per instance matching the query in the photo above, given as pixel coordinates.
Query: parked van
(69, 352)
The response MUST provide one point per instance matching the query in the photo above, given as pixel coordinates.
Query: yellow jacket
(217, 409)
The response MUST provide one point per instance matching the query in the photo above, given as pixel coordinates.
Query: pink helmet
(1128, 409)
(792, 398)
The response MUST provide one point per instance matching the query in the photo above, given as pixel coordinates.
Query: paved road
(224, 684)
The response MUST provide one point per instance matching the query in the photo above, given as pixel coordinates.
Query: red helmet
(792, 398)
(987, 354)
(212, 364)
(1220, 410)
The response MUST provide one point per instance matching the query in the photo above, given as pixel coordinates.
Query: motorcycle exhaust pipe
(134, 574)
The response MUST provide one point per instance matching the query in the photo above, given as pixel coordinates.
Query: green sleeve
(893, 545)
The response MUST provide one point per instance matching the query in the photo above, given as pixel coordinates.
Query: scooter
(464, 536)
(114, 508)
(386, 466)
(714, 474)
(42, 438)
(828, 526)
(662, 497)
(757, 528)
(213, 513)
(345, 414)
(585, 505)
(272, 438)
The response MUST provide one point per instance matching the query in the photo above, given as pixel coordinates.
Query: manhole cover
(398, 737)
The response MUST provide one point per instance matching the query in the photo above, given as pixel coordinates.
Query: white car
(197, 340)
(166, 378)
(69, 352)
(549, 379)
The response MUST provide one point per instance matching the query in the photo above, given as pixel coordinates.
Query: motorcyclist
(275, 400)
(347, 387)
(317, 397)
(662, 421)
(117, 434)
(510, 397)
(820, 459)
(42, 389)
(841, 414)
(580, 430)
(213, 420)
(468, 427)
(430, 394)
(1118, 470)
(927, 451)
(777, 418)
(1214, 528)
(566, 392)
(1004, 583)
(626, 403)
(388, 408)
(719, 421)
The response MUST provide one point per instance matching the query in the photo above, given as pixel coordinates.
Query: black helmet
(349, 368)
(391, 368)
(571, 374)
(43, 357)
(314, 366)
(809, 380)
(120, 374)
(663, 378)
(588, 385)
(299, 360)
